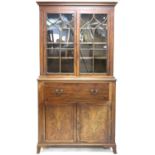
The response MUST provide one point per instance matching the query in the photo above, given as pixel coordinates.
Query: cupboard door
(59, 123)
(93, 123)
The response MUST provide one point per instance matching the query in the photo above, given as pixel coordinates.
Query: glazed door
(95, 42)
(93, 123)
(60, 42)
(59, 123)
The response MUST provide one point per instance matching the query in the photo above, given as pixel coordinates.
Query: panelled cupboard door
(93, 123)
(59, 123)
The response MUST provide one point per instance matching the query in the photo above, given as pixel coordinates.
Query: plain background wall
(134, 70)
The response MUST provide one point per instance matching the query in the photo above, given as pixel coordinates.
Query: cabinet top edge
(77, 3)
(76, 79)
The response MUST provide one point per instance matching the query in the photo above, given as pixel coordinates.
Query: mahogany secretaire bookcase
(76, 85)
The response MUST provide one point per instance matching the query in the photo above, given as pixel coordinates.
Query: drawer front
(76, 92)
(60, 92)
(93, 92)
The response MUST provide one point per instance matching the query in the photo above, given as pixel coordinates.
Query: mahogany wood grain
(93, 123)
(93, 92)
(60, 93)
(59, 123)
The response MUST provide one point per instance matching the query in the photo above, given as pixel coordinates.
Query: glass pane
(86, 50)
(68, 53)
(67, 65)
(93, 43)
(60, 43)
(86, 53)
(53, 65)
(67, 60)
(86, 65)
(100, 65)
(53, 50)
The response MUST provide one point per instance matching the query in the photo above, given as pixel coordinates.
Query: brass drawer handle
(59, 92)
(93, 91)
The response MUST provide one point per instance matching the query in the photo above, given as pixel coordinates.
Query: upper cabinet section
(76, 38)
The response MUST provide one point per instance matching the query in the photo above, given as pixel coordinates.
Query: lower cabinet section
(85, 123)
(76, 114)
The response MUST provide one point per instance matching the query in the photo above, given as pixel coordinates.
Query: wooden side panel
(59, 123)
(40, 112)
(93, 123)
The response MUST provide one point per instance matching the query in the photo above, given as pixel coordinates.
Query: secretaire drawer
(59, 92)
(94, 92)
